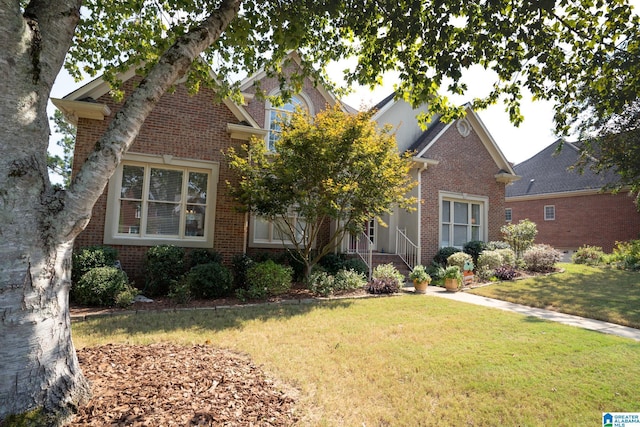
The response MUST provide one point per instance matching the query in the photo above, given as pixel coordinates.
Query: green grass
(598, 293)
(410, 360)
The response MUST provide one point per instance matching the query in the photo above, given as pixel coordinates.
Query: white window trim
(510, 210)
(272, 242)
(111, 235)
(268, 108)
(549, 218)
(469, 198)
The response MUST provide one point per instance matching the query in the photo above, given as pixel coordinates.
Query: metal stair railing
(406, 249)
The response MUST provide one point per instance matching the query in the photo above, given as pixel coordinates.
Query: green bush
(348, 280)
(520, 236)
(541, 258)
(443, 255)
(459, 259)
(332, 263)
(508, 256)
(388, 271)
(203, 256)
(321, 283)
(474, 248)
(437, 274)
(627, 255)
(85, 259)
(488, 261)
(590, 255)
(164, 264)
(357, 265)
(179, 292)
(240, 264)
(103, 287)
(212, 280)
(268, 279)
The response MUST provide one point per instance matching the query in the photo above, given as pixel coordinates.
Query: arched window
(275, 116)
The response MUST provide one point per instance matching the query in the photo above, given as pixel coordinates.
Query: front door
(370, 230)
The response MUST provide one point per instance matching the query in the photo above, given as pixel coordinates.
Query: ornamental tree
(549, 47)
(332, 167)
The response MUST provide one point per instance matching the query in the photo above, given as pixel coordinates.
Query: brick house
(171, 186)
(461, 175)
(570, 209)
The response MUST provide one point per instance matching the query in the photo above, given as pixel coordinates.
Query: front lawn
(410, 360)
(598, 293)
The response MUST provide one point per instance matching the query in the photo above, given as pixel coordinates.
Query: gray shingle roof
(549, 172)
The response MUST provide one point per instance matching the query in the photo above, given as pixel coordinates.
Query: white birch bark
(38, 363)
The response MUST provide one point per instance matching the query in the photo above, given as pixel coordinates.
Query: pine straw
(170, 385)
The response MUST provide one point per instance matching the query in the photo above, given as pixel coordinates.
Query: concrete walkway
(567, 319)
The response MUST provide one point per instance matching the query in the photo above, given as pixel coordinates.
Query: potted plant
(420, 278)
(452, 278)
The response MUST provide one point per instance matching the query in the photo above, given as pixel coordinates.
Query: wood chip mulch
(170, 385)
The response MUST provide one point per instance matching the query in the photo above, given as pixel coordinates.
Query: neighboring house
(171, 186)
(461, 175)
(569, 208)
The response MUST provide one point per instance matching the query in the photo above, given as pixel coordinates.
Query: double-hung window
(276, 115)
(275, 233)
(155, 200)
(462, 220)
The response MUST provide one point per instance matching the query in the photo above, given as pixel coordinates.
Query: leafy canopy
(555, 49)
(334, 166)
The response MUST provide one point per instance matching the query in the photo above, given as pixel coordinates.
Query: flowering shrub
(497, 244)
(541, 258)
(627, 254)
(321, 283)
(348, 280)
(508, 256)
(388, 271)
(590, 255)
(520, 236)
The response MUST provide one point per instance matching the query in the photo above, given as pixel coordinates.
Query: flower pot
(420, 287)
(451, 285)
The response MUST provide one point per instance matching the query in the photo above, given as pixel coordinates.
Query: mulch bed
(170, 385)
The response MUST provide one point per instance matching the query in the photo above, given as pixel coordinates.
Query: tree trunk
(39, 368)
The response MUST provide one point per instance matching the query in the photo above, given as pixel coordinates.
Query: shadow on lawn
(212, 319)
(602, 294)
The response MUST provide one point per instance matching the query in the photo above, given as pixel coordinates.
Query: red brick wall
(464, 166)
(598, 220)
(190, 127)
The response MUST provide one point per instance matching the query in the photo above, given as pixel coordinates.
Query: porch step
(382, 258)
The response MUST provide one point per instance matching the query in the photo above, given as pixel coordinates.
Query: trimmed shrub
(443, 255)
(388, 271)
(85, 259)
(332, 263)
(589, 255)
(459, 259)
(505, 273)
(348, 280)
(357, 265)
(541, 258)
(488, 261)
(103, 287)
(203, 256)
(268, 279)
(508, 256)
(321, 283)
(497, 244)
(164, 264)
(240, 264)
(383, 286)
(212, 280)
(474, 248)
(437, 274)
